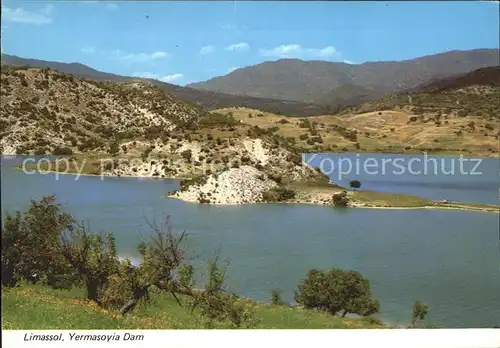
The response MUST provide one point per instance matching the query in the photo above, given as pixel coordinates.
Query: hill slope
(316, 81)
(42, 308)
(206, 99)
(133, 128)
(44, 109)
(452, 115)
(473, 94)
(489, 76)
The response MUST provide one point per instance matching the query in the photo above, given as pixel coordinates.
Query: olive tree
(337, 292)
(30, 243)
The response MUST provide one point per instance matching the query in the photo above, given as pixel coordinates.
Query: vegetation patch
(278, 194)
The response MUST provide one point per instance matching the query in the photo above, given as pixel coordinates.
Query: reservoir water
(448, 259)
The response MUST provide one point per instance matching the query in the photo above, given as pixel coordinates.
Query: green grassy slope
(37, 307)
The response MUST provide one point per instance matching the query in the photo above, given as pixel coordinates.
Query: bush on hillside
(355, 184)
(340, 199)
(62, 151)
(337, 292)
(278, 194)
(187, 155)
(30, 243)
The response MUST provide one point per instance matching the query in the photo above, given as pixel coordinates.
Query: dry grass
(384, 131)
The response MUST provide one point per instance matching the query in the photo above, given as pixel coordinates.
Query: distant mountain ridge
(206, 99)
(317, 81)
(489, 76)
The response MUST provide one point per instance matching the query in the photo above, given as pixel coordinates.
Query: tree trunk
(8, 278)
(138, 293)
(93, 290)
(129, 306)
(344, 313)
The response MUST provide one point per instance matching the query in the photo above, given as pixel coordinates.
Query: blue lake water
(448, 259)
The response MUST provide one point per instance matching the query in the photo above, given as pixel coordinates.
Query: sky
(183, 42)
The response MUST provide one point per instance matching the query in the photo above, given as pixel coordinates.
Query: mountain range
(331, 83)
(295, 87)
(206, 99)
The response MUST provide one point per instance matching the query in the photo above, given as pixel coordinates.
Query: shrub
(40, 151)
(276, 298)
(340, 199)
(419, 312)
(114, 148)
(62, 151)
(276, 178)
(30, 243)
(337, 292)
(187, 155)
(278, 194)
(146, 153)
(355, 184)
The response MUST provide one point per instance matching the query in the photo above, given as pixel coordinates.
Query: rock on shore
(233, 186)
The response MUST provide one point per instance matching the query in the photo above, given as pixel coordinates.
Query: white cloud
(207, 50)
(20, 15)
(323, 52)
(349, 62)
(111, 6)
(230, 70)
(126, 57)
(171, 78)
(165, 78)
(296, 51)
(137, 57)
(242, 46)
(88, 50)
(282, 51)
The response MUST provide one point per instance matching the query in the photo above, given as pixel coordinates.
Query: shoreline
(483, 155)
(430, 154)
(426, 207)
(45, 172)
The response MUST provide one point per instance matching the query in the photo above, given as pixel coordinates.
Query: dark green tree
(30, 243)
(355, 184)
(337, 292)
(276, 298)
(419, 312)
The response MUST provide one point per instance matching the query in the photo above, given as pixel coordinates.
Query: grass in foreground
(39, 307)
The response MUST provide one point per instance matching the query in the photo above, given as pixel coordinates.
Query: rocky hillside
(132, 128)
(391, 128)
(476, 93)
(205, 99)
(43, 110)
(316, 81)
